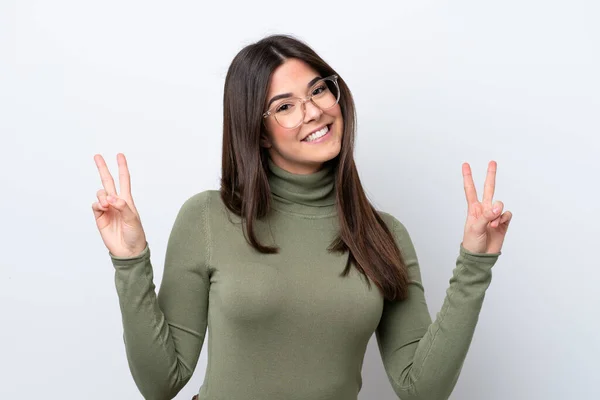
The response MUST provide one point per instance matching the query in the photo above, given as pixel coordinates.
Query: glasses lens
(289, 113)
(325, 94)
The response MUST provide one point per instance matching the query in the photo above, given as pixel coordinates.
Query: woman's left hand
(485, 229)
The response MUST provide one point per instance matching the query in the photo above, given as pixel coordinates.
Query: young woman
(288, 265)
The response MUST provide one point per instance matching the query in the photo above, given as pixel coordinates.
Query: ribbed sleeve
(164, 333)
(423, 359)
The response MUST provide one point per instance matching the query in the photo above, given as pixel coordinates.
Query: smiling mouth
(318, 134)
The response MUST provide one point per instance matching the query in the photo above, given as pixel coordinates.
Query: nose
(311, 112)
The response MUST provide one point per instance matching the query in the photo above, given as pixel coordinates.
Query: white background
(435, 83)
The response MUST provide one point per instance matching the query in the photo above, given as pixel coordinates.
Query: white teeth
(317, 134)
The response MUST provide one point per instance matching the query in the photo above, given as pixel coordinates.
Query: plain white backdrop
(436, 84)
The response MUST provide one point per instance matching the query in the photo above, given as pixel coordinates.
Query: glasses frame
(306, 99)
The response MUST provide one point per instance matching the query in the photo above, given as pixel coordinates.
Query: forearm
(153, 359)
(441, 352)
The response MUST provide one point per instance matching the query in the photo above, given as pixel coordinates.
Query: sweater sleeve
(423, 359)
(163, 334)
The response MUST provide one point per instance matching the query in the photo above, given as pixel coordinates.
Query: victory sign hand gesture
(116, 216)
(486, 225)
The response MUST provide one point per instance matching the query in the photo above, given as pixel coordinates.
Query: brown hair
(244, 177)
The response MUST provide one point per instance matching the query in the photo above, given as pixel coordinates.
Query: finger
(98, 209)
(503, 219)
(123, 208)
(469, 185)
(124, 177)
(506, 218)
(490, 183)
(489, 215)
(495, 223)
(107, 180)
(101, 195)
(497, 208)
(495, 212)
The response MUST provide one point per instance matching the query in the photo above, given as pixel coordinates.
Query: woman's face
(289, 148)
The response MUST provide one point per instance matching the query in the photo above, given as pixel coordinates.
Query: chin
(328, 155)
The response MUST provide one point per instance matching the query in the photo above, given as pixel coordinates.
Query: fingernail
(496, 210)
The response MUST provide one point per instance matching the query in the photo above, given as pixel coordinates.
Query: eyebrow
(284, 95)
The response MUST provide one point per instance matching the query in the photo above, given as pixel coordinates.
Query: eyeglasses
(290, 112)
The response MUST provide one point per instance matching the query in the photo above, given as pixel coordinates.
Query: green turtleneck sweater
(286, 326)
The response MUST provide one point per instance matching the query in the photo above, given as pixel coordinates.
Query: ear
(265, 141)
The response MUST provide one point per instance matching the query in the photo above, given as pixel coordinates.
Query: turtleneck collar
(308, 195)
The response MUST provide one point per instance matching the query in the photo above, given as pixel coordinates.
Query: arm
(423, 359)
(164, 334)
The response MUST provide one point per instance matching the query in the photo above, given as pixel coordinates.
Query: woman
(288, 265)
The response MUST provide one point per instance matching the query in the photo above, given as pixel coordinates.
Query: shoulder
(200, 204)
(400, 233)
(206, 205)
(201, 199)
(398, 230)
(392, 222)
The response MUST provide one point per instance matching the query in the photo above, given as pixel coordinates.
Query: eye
(285, 107)
(319, 89)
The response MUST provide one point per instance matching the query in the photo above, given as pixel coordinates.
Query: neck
(295, 168)
(310, 194)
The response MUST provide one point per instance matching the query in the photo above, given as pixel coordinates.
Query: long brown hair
(244, 177)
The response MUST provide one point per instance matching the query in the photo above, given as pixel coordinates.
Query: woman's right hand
(116, 216)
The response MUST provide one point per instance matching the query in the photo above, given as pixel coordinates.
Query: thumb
(122, 207)
(490, 215)
(487, 217)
